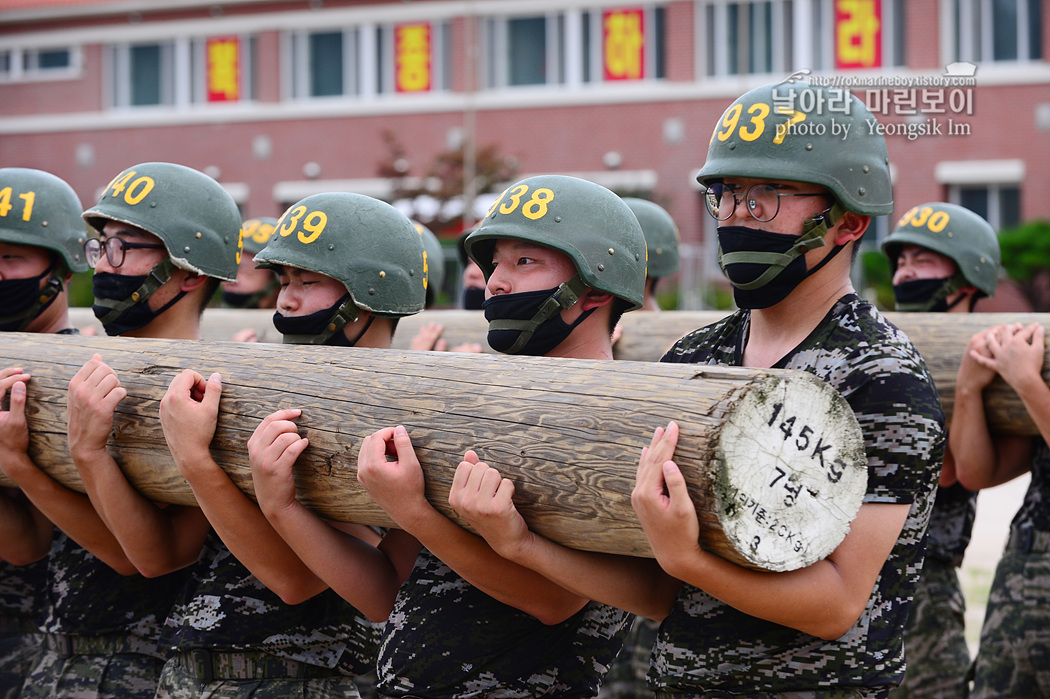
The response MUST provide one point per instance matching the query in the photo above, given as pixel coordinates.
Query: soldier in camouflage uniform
(102, 618)
(833, 628)
(468, 623)
(944, 258)
(41, 246)
(1013, 659)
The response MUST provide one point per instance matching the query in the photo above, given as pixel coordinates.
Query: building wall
(656, 128)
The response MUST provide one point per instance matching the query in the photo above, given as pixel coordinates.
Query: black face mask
(232, 299)
(765, 267)
(315, 328)
(523, 308)
(120, 287)
(473, 298)
(20, 300)
(929, 295)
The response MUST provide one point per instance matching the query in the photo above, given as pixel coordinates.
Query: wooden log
(940, 338)
(568, 432)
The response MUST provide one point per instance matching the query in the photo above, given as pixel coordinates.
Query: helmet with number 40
(581, 219)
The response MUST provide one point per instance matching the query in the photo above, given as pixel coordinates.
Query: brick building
(278, 99)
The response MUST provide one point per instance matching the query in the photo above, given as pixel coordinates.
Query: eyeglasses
(763, 200)
(115, 249)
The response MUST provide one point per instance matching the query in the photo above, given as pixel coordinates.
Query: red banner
(223, 60)
(623, 44)
(412, 57)
(858, 34)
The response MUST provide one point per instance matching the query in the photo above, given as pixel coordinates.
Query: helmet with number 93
(256, 233)
(802, 132)
(581, 219)
(366, 244)
(435, 260)
(955, 232)
(195, 218)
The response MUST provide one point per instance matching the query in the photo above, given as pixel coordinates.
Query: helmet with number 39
(192, 214)
(581, 219)
(367, 244)
(955, 232)
(798, 131)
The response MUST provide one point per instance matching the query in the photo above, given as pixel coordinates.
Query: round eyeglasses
(763, 200)
(115, 250)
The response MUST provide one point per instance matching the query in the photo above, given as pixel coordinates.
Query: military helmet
(256, 233)
(581, 219)
(190, 212)
(798, 131)
(661, 236)
(366, 244)
(434, 259)
(955, 232)
(42, 210)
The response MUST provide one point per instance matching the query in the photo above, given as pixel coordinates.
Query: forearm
(250, 537)
(970, 440)
(73, 513)
(359, 573)
(1035, 395)
(637, 585)
(148, 533)
(509, 582)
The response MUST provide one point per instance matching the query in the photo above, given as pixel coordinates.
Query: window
(39, 63)
(748, 37)
(614, 45)
(199, 71)
(996, 30)
(413, 57)
(999, 204)
(324, 63)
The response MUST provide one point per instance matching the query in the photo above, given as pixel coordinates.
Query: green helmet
(434, 259)
(661, 236)
(366, 244)
(256, 233)
(581, 219)
(43, 211)
(955, 232)
(798, 131)
(190, 212)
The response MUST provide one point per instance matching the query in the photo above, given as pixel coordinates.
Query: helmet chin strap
(563, 298)
(156, 278)
(813, 231)
(951, 286)
(347, 313)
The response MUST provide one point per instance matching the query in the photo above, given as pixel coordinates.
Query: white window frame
(496, 70)
(198, 87)
(20, 68)
(358, 64)
(595, 60)
(439, 38)
(974, 41)
(991, 175)
(783, 57)
(120, 74)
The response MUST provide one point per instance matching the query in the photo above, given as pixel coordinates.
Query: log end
(790, 472)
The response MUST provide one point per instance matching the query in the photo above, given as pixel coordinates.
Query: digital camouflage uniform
(227, 623)
(627, 678)
(1014, 655)
(102, 629)
(21, 602)
(707, 647)
(935, 635)
(446, 638)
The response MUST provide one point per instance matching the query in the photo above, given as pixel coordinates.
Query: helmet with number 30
(366, 244)
(798, 131)
(192, 214)
(581, 219)
(955, 232)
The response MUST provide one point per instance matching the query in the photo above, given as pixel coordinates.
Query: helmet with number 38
(192, 214)
(581, 219)
(955, 232)
(40, 209)
(798, 131)
(367, 244)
